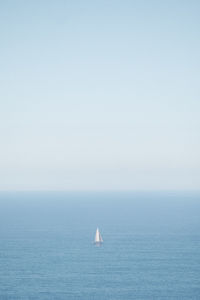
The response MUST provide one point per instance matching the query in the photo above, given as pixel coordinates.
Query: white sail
(98, 237)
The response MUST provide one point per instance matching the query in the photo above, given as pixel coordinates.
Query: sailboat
(98, 238)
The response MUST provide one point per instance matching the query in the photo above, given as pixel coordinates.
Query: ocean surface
(151, 246)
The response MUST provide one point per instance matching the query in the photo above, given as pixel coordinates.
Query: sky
(100, 95)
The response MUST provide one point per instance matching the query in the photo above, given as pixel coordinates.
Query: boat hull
(98, 244)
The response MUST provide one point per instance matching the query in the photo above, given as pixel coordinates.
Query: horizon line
(101, 190)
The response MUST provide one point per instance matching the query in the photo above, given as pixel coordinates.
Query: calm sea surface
(151, 246)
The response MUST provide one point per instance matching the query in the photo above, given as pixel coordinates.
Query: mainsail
(98, 238)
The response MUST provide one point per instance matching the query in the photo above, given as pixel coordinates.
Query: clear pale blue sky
(100, 95)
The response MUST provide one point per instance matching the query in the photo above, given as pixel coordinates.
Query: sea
(151, 247)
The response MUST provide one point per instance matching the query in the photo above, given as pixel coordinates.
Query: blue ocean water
(151, 246)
